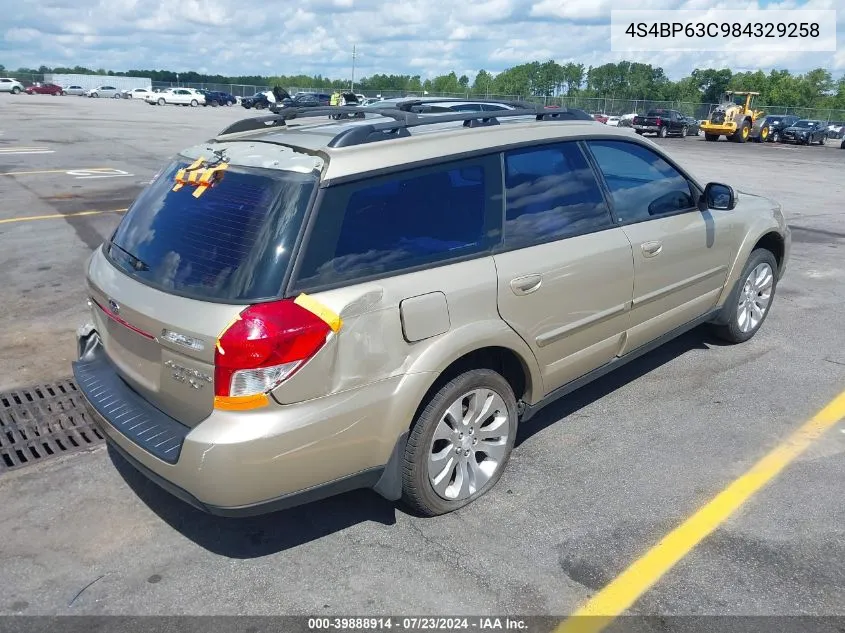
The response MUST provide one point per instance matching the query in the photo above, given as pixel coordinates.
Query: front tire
(459, 445)
(748, 306)
(741, 135)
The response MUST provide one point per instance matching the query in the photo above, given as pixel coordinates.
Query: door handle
(650, 249)
(526, 284)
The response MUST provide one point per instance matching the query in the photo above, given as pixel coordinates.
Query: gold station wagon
(306, 305)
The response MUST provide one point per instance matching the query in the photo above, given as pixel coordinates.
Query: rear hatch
(181, 267)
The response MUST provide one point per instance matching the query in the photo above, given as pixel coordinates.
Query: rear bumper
(253, 462)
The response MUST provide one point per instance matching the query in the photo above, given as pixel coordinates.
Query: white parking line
(25, 150)
(85, 174)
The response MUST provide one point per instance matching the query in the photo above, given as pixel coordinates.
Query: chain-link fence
(238, 90)
(607, 106)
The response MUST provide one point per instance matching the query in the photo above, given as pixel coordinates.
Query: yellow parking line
(56, 216)
(622, 592)
(53, 171)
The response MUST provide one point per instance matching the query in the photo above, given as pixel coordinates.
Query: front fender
(755, 231)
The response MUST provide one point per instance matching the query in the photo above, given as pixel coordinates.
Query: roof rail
(361, 134)
(398, 127)
(286, 114)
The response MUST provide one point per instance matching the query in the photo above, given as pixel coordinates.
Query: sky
(416, 37)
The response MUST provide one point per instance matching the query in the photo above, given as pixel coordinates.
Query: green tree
(482, 83)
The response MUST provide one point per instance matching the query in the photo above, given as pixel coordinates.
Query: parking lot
(596, 481)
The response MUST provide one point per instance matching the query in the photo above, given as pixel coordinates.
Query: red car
(45, 89)
(601, 118)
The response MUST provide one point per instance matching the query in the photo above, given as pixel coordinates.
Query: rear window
(232, 244)
(396, 223)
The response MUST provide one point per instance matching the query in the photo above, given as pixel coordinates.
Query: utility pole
(354, 56)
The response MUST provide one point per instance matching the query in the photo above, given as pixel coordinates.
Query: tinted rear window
(415, 218)
(232, 244)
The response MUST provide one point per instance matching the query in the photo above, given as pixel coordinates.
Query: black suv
(216, 98)
(301, 100)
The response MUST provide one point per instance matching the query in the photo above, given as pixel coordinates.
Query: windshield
(804, 124)
(231, 244)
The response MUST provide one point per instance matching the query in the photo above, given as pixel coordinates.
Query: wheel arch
(506, 361)
(503, 360)
(769, 238)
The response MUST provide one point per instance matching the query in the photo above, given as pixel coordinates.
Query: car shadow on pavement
(698, 338)
(253, 537)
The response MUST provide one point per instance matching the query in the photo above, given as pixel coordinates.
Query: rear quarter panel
(371, 346)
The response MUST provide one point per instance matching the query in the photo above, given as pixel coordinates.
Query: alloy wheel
(755, 298)
(469, 445)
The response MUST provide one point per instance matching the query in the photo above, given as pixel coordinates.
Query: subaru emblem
(114, 307)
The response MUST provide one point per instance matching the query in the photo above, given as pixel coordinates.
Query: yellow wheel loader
(736, 119)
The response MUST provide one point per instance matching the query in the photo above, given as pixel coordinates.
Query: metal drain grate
(37, 423)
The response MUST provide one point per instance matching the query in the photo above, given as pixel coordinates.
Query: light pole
(354, 56)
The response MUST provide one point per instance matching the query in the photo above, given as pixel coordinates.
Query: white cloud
(427, 37)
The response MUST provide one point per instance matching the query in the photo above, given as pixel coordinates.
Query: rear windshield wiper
(135, 262)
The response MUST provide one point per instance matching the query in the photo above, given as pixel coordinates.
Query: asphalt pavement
(595, 481)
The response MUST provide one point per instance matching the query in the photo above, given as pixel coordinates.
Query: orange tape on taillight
(241, 403)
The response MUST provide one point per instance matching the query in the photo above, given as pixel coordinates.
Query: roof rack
(397, 128)
(287, 114)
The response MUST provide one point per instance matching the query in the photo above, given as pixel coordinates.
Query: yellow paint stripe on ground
(626, 589)
(54, 171)
(56, 216)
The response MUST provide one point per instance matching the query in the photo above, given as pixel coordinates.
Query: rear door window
(232, 244)
(551, 193)
(416, 218)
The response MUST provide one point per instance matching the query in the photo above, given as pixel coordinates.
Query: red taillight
(659, 122)
(264, 346)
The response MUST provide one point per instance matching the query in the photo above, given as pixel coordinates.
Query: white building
(95, 81)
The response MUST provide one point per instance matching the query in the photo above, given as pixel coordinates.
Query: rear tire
(684, 131)
(16, 90)
(161, 101)
(475, 409)
(662, 132)
(749, 304)
(194, 103)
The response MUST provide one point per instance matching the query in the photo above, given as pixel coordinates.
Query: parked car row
(176, 96)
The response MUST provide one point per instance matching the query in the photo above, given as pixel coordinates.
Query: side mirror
(718, 196)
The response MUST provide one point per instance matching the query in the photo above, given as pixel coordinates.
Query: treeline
(624, 80)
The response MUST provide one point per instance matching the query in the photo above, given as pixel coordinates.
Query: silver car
(76, 91)
(104, 91)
